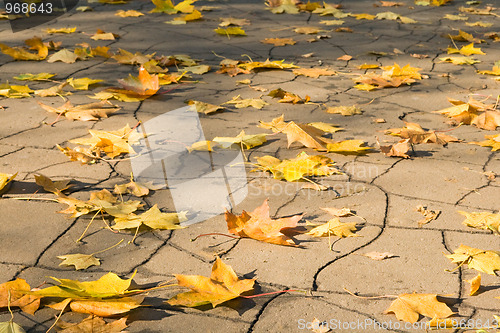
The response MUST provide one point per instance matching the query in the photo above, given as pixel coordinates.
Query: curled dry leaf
(83, 112)
(205, 108)
(260, 226)
(5, 179)
(475, 284)
(56, 90)
(222, 286)
(308, 135)
(396, 150)
(16, 291)
(416, 134)
(288, 97)
(52, 186)
(81, 154)
(19, 53)
(408, 307)
(428, 214)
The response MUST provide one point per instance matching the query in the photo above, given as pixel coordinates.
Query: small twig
(67, 301)
(88, 226)
(369, 297)
(214, 234)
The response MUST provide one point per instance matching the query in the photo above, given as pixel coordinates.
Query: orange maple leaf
(260, 226)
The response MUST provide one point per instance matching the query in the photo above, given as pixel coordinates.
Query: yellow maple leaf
(60, 30)
(408, 307)
(481, 260)
(466, 50)
(334, 227)
(483, 220)
(19, 53)
(239, 102)
(222, 286)
(299, 167)
(314, 72)
(492, 141)
(128, 13)
(279, 41)
(234, 31)
(249, 140)
(346, 147)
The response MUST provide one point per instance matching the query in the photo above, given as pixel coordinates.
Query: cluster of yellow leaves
(297, 168)
(431, 2)
(239, 102)
(288, 97)
(111, 143)
(19, 53)
(473, 112)
(392, 76)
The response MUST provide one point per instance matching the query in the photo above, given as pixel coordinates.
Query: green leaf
(10, 327)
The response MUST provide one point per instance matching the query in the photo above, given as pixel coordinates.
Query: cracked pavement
(385, 191)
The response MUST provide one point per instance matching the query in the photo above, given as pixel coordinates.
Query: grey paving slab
(383, 191)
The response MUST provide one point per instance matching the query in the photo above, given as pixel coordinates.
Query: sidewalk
(385, 191)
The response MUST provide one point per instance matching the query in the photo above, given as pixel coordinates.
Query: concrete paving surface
(384, 191)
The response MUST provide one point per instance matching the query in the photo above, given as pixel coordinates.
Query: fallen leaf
(458, 60)
(83, 112)
(464, 37)
(494, 71)
(82, 83)
(276, 64)
(19, 53)
(431, 3)
(479, 24)
(314, 72)
(299, 167)
(397, 150)
(137, 189)
(34, 77)
(248, 140)
(279, 41)
(308, 135)
(287, 97)
(339, 212)
(260, 226)
(205, 108)
(475, 284)
(408, 307)
(152, 218)
(53, 91)
(332, 22)
(5, 179)
(379, 255)
(345, 57)
(492, 141)
(325, 127)
(60, 30)
(143, 86)
(13, 293)
(52, 186)
(239, 103)
(428, 214)
(80, 261)
(128, 13)
(416, 134)
(488, 120)
(307, 30)
(227, 21)
(93, 324)
(11, 327)
(282, 6)
(334, 227)
(344, 110)
(346, 147)
(199, 69)
(234, 31)
(222, 286)
(64, 55)
(14, 91)
(344, 29)
(83, 155)
(466, 50)
(113, 143)
(391, 4)
(364, 16)
(482, 220)
(126, 57)
(481, 260)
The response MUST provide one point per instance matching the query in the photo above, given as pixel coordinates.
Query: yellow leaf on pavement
(475, 284)
(483, 220)
(408, 307)
(466, 50)
(481, 260)
(239, 103)
(80, 261)
(334, 227)
(248, 140)
(128, 13)
(222, 285)
(82, 83)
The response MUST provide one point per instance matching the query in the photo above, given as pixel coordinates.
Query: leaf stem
(67, 301)
(88, 226)
(109, 248)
